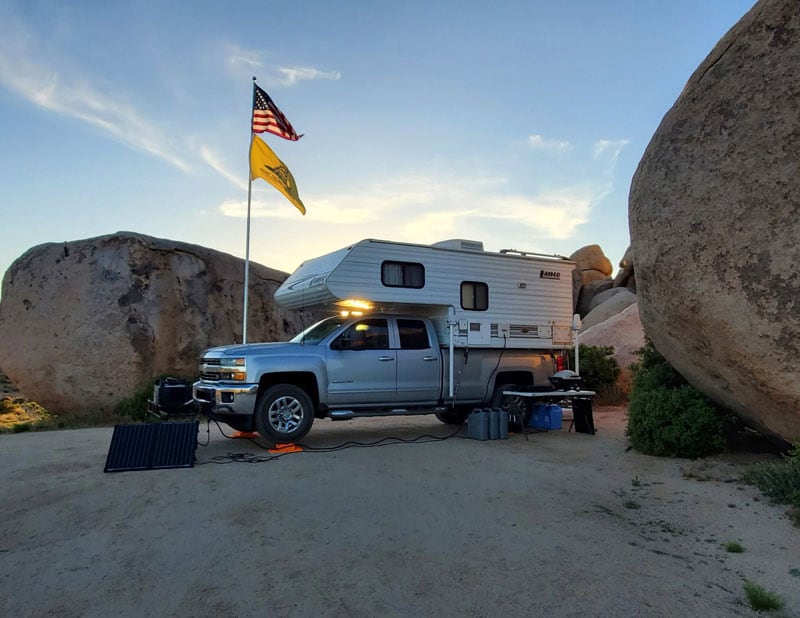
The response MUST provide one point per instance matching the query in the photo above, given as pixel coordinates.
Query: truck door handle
(430, 358)
(386, 358)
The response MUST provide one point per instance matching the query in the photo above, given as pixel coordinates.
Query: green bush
(135, 406)
(760, 599)
(778, 480)
(669, 417)
(598, 367)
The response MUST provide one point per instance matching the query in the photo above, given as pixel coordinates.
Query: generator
(172, 397)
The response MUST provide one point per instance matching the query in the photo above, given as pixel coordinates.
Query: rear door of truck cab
(419, 363)
(362, 366)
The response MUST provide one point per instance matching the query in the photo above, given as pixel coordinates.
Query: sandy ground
(562, 524)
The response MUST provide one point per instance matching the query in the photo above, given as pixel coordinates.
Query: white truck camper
(509, 299)
(414, 329)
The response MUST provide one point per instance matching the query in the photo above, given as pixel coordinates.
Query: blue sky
(516, 123)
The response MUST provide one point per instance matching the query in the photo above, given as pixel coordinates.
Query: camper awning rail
(532, 253)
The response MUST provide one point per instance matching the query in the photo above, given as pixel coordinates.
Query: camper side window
(413, 335)
(402, 274)
(474, 296)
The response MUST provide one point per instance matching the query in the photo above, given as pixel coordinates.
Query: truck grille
(207, 371)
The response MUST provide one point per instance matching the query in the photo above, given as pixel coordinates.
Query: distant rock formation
(623, 331)
(609, 303)
(715, 223)
(591, 276)
(85, 324)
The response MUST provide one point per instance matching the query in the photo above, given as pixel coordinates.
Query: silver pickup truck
(345, 367)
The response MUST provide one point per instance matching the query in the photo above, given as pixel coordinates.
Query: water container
(494, 423)
(478, 424)
(503, 424)
(545, 416)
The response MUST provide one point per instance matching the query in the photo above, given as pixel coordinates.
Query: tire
(284, 413)
(243, 427)
(453, 416)
(518, 408)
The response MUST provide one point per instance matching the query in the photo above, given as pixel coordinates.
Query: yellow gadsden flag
(265, 164)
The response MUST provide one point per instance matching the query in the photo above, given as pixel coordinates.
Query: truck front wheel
(284, 413)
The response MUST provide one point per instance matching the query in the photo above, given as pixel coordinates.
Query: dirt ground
(560, 524)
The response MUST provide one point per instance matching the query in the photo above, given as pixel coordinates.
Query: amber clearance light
(354, 303)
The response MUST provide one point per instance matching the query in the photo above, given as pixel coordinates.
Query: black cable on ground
(251, 458)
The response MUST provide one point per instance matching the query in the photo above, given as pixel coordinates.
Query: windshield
(314, 334)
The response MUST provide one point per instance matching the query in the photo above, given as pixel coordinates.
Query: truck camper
(417, 329)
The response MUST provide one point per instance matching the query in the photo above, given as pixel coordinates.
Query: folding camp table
(580, 402)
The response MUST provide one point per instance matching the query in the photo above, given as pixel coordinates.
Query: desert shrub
(18, 414)
(669, 417)
(778, 480)
(135, 407)
(598, 366)
(599, 372)
(760, 599)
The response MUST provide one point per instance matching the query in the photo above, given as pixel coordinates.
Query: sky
(516, 123)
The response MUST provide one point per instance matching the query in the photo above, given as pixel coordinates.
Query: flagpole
(247, 241)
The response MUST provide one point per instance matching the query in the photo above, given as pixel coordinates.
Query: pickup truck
(347, 367)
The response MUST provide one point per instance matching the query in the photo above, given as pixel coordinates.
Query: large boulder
(591, 267)
(589, 292)
(626, 277)
(85, 324)
(715, 222)
(612, 304)
(623, 331)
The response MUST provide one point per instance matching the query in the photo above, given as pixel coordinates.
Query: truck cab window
(371, 334)
(413, 335)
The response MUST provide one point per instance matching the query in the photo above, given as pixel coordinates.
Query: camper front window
(402, 274)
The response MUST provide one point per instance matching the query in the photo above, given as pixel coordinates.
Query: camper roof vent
(458, 243)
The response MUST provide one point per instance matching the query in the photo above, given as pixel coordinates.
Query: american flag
(267, 117)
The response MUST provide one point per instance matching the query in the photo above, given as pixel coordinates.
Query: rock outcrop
(715, 222)
(622, 331)
(626, 277)
(85, 324)
(592, 275)
(611, 306)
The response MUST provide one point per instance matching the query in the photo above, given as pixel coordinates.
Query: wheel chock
(287, 447)
(245, 434)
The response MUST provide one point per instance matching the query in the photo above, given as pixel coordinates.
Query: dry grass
(19, 414)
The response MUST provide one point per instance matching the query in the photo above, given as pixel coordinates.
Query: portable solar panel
(151, 446)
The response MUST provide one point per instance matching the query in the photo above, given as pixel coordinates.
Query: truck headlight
(236, 376)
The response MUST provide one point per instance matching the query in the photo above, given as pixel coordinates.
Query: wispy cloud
(538, 142)
(609, 147)
(239, 57)
(72, 94)
(213, 161)
(293, 75)
(425, 208)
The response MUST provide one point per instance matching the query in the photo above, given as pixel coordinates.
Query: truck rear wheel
(284, 413)
(518, 408)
